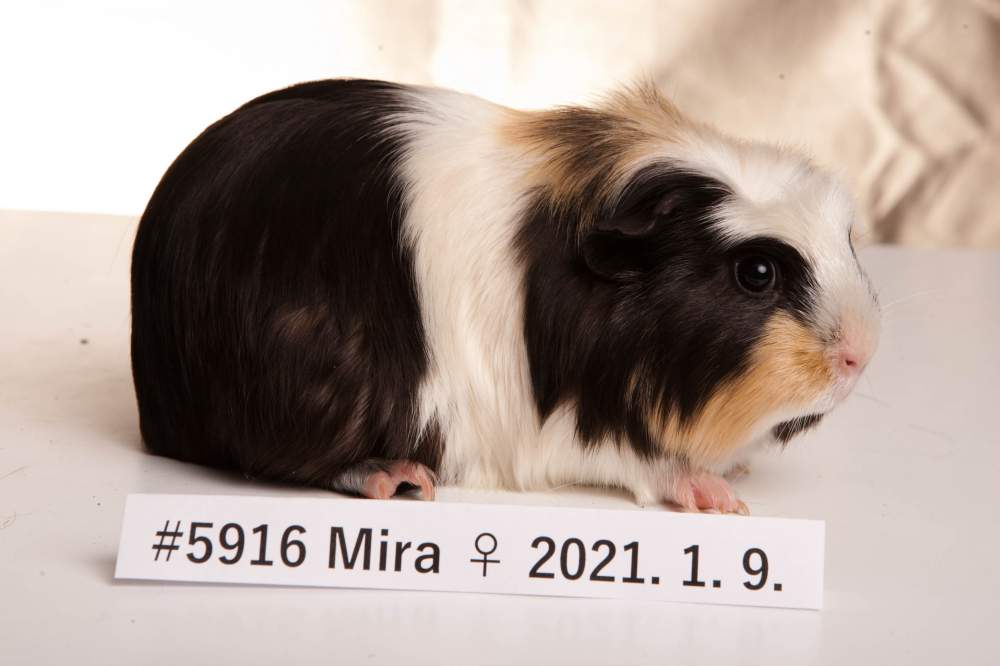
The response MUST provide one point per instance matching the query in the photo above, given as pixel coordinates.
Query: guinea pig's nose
(855, 338)
(850, 359)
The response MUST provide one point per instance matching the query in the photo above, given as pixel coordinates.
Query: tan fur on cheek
(788, 369)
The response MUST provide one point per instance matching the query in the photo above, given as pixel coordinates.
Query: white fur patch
(463, 204)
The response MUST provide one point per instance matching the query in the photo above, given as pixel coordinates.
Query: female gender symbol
(486, 543)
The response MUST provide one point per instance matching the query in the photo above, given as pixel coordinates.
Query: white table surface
(906, 474)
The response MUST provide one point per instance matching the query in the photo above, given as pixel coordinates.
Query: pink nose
(850, 360)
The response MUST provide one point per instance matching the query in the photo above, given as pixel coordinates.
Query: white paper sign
(410, 545)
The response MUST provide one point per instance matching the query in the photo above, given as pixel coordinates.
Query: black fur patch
(783, 432)
(641, 316)
(275, 321)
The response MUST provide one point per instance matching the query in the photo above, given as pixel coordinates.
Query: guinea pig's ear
(639, 219)
(618, 244)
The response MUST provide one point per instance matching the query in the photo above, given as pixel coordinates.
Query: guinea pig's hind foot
(383, 479)
(710, 493)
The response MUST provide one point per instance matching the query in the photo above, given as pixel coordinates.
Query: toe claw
(737, 472)
(425, 482)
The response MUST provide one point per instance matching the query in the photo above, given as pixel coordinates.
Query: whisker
(904, 299)
(877, 401)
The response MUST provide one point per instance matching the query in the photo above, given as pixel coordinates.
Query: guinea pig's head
(709, 296)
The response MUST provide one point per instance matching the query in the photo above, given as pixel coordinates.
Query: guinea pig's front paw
(703, 491)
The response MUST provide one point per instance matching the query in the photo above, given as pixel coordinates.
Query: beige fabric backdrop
(902, 98)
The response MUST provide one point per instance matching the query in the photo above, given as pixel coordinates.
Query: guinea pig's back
(275, 322)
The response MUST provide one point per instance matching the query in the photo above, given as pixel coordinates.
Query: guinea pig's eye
(756, 273)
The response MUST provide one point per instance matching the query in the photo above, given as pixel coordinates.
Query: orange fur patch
(588, 153)
(789, 368)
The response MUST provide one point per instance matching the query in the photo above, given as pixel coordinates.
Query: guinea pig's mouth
(786, 430)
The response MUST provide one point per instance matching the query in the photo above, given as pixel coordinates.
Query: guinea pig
(371, 287)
